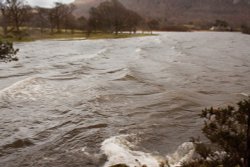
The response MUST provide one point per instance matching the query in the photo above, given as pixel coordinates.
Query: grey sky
(46, 3)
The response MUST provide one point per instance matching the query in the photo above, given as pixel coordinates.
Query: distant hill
(202, 12)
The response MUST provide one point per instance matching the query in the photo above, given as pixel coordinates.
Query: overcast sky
(46, 3)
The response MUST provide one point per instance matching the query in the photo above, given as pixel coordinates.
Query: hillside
(236, 12)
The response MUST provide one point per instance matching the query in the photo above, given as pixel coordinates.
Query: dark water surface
(100, 102)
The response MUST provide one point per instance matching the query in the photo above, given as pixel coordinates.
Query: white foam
(158, 41)
(245, 94)
(103, 51)
(98, 54)
(29, 88)
(138, 50)
(184, 153)
(119, 151)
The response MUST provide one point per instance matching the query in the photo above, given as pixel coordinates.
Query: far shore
(35, 35)
(30, 36)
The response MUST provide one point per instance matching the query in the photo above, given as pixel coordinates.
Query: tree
(14, 13)
(70, 22)
(7, 52)
(245, 29)
(153, 25)
(5, 16)
(58, 15)
(112, 16)
(229, 129)
(221, 23)
(42, 18)
(132, 20)
(81, 23)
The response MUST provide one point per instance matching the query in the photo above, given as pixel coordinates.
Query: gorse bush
(7, 52)
(228, 129)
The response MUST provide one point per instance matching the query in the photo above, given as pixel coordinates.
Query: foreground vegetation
(228, 129)
(7, 52)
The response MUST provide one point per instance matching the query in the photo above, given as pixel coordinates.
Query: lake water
(94, 103)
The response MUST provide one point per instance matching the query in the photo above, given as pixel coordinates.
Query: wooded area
(19, 19)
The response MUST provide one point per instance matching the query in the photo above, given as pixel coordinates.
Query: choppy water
(101, 102)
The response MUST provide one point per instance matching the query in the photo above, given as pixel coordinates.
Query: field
(33, 34)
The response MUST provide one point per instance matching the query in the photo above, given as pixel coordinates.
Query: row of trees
(16, 13)
(109, 16)
(112, 16)
(57, 18)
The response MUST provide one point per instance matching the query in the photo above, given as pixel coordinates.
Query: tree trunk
(17, 24)
(5, 28)
(41, 29)
(52, 29)
(58, 25)
(5, 22)
(116, 30)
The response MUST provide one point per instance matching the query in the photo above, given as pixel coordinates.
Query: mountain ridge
(235, 12)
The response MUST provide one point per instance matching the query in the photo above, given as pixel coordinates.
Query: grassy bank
(26, 35)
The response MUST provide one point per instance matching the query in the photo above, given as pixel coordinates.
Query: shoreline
(75, 36)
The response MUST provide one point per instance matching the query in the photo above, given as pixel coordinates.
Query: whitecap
(27, 89)
(184, 153)
(119, 151)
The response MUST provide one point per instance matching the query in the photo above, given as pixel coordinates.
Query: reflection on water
(94, 103)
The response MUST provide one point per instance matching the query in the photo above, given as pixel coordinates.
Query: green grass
(114, 36)
(28, 35)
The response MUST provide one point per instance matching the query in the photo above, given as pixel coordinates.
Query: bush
(245, 29)
(7, 52)
(228, 129)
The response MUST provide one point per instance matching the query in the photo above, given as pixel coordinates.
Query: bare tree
(15, 13)
(70, 23)
(42, 18)
(132, 20)
(81, 23)
(59, 14)
(5, 16)
(153, 25)
(112, 16)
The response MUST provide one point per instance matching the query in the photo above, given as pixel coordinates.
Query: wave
(244, 94)
(99, 54)
(184, 153)
(16, 144)
(28, 89)
(103, 51)
(126, 75)
(119, 150)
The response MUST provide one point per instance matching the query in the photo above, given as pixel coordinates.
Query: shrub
(245, 29)
(7, 52)
(228, 129)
